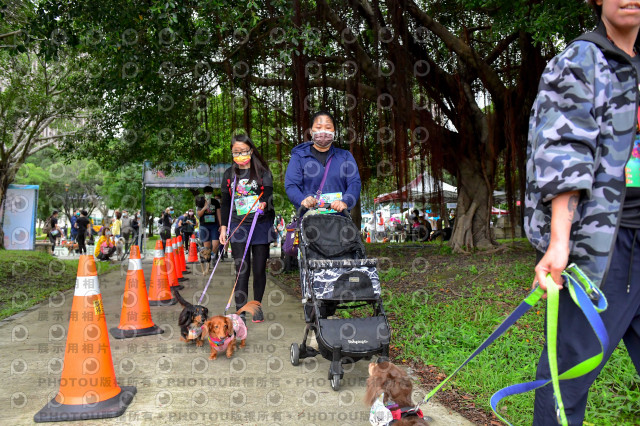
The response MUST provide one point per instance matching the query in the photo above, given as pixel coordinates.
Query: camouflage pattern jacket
(581, 134)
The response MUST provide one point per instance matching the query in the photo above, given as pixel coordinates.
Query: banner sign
(19, 217)
(195, 177)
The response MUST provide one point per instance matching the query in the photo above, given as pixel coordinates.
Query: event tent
(421, 188)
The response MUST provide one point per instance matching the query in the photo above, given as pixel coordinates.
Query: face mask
(107, 234)
(207, 197)
(322, 138)
(171, 212)
(242, 160)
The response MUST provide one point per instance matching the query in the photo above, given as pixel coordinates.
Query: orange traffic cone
(193, 250)
(368, 237)
(171, 266)
(176, 260)
(159, 291)
(88, 387)
(135, 317)
(183, 261)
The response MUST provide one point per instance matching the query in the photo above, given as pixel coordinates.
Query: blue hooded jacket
(304, 174)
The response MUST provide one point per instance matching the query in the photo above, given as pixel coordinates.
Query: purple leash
(246, 248)
(233, 194)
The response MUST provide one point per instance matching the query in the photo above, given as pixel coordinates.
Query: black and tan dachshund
(191, 320)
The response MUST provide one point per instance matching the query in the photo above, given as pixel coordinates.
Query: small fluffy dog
(120, 244)
(222, 332)
(205, 259)
(191, 320)
(389, 395)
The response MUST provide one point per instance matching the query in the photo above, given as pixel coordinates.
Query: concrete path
(176, 383)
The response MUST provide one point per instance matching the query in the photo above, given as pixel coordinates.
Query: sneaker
(258, 317)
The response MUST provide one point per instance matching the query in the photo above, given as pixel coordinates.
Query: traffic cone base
(163, 302)
(119, 333)
(112, 407)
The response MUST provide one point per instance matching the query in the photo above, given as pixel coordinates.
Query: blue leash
(584, 294)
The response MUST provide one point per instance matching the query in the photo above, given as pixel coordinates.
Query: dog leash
(246, 248)
(584, 293)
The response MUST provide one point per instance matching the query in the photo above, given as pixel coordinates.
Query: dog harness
(382, 414)
(239, 332)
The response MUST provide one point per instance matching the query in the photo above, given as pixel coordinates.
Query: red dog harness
(400, 413)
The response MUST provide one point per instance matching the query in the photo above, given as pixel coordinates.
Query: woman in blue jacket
(307, 166)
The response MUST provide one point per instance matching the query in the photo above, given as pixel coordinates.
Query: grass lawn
(29, 277)
(441, 306)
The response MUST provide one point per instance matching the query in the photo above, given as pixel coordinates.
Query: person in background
(177, 227)
(165, 226)
(106, 245)
(209, 217)
(116, 225)
(135, 227)
(74, 229)
(54, 232)
(187, 225)
(82, 227)
(126, 230)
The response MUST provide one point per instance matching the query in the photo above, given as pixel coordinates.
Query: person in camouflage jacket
(582, 129)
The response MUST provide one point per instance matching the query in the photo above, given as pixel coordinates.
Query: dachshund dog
(223, 331)
(389, 396)
(191, 320)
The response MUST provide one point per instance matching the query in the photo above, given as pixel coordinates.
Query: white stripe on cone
(87, 286)
(135, 264)
(158, 253)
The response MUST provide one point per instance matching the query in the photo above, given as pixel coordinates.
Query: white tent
(424, 186)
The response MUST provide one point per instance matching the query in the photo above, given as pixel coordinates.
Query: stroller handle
(300, 213)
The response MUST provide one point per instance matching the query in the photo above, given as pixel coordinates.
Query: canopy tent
(422, 187)
(197, 176)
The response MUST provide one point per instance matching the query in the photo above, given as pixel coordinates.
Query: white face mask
(322, 138)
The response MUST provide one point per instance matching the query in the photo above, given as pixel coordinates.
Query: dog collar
(216, 342)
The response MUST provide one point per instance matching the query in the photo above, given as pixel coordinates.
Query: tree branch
(464, 52)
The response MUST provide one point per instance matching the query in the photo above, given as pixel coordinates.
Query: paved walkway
(176, 382)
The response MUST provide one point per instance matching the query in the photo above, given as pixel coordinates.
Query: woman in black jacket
(253, 181)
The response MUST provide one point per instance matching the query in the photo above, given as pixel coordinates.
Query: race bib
(243, 204)
(209, 218)
(324, 203)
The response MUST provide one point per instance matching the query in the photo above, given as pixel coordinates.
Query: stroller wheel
(295, 354)
(335, 382)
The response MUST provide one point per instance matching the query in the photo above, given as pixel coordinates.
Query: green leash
(584, 294)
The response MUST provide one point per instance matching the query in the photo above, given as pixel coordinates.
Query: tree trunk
(471, 227)
(5, 180)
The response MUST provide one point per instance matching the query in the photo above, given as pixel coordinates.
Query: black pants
(82, 248)
(186, 237)
(107, 255)
(165, 234)
(577, 341)
(52, 239)
(257, 256)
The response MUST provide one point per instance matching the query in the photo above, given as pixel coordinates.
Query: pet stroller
(333, 272)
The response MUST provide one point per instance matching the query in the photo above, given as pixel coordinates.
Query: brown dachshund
(394, 382)
(222, 331)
